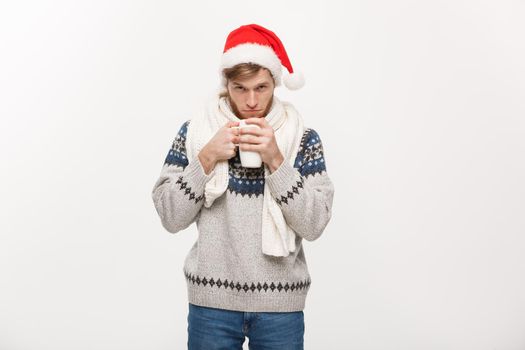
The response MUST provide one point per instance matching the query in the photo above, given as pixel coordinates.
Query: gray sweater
(226, 268)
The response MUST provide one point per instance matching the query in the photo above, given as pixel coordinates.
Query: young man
(247, 274)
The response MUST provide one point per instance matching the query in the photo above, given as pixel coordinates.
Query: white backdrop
(420, 107)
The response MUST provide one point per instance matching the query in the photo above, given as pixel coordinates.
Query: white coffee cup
(249, 159)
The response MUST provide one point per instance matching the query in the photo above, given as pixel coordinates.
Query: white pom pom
(294, 81)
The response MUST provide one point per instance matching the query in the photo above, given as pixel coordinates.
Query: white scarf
(278, 239)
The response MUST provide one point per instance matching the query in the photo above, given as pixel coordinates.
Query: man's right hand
(220, 147)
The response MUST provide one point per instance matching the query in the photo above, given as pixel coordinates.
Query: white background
(419, 104)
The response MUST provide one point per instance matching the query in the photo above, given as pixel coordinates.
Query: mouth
(252, 111)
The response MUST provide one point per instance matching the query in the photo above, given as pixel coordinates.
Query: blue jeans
(218, 329)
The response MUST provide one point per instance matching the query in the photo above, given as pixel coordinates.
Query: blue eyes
(257, 88)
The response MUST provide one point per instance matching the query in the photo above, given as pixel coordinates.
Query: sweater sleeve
(304, 192)
(178, 194)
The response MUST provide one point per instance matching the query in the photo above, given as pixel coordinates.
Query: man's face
(252, 97)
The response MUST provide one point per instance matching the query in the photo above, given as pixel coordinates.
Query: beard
(236, 111)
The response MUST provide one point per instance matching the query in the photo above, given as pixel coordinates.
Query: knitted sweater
(225, 268)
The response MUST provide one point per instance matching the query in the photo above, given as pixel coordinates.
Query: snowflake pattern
(250, 181)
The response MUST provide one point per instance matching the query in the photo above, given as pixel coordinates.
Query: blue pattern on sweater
(250, 181)
(177, 153)
(310, 157)
(245, 181)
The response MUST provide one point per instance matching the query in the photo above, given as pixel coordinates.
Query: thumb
(231, 123)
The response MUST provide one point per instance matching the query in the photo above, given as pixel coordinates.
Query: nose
(251, 102)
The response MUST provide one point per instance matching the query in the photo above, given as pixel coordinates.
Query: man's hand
(261, 140)
(220, 147)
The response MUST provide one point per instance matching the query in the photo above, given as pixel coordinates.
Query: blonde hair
(241, 71)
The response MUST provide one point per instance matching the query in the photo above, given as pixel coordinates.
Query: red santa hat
(256, 44)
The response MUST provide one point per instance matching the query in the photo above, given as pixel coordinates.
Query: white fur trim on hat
(255, 53)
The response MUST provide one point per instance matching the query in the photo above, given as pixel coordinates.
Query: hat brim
(254, 53)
